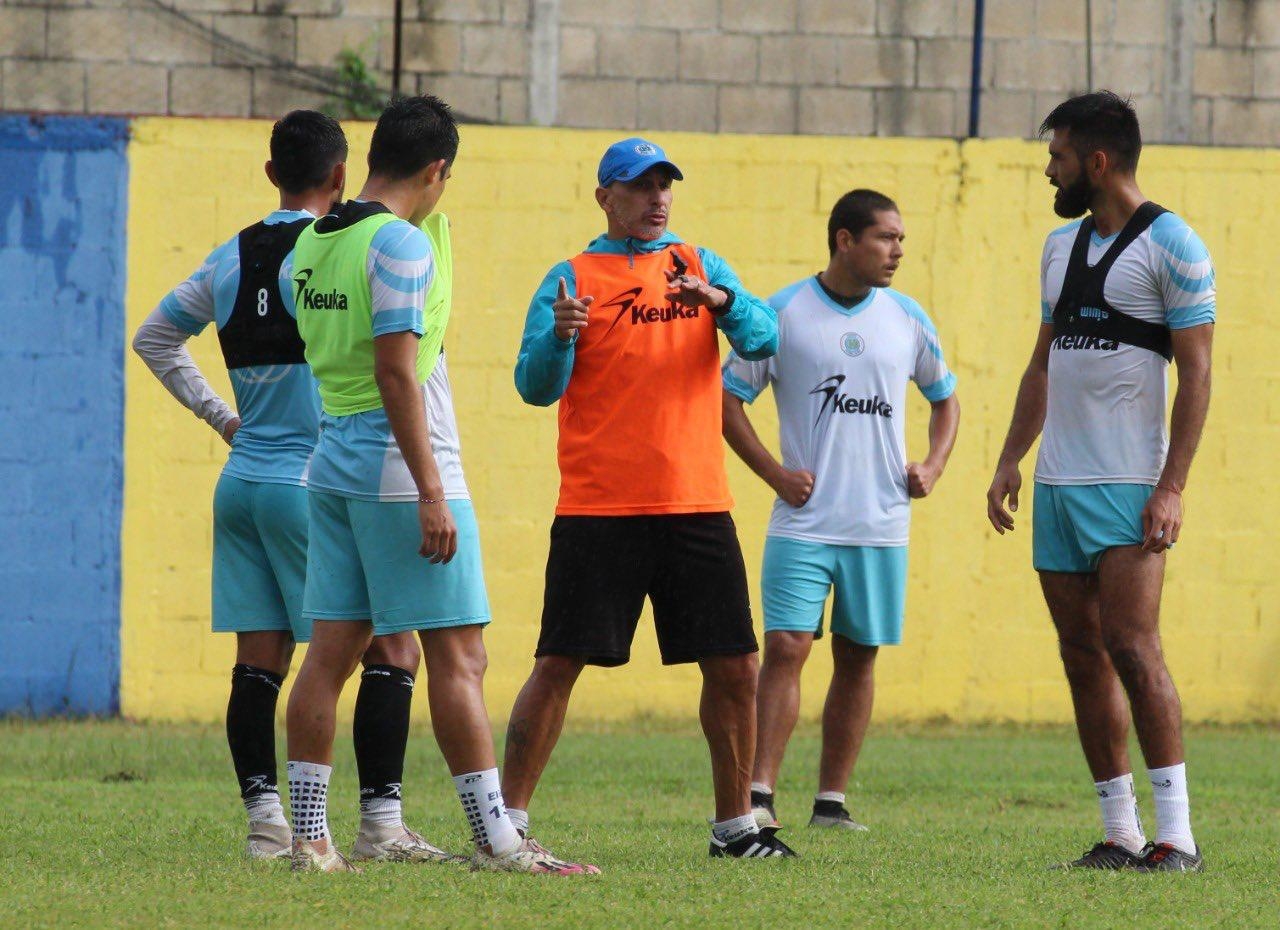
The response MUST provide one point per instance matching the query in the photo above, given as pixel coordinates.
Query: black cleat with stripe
(1164, 857)
(1106, 856)
(762, 845)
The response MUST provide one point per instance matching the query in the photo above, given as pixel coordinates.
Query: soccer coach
(624, 336)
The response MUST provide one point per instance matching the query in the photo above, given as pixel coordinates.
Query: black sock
(380, 730)
(251, 728)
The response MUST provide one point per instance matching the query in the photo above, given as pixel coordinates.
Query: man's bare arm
(1025, 426)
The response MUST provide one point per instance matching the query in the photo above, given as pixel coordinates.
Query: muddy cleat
(1163, 857)
(269, 840)
(529, 856)
(832, 814)
(762, 845)
(762, 810)
(1106, 856)
(397, 844)
(306, 858)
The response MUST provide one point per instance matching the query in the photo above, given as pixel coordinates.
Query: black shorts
(690, 566)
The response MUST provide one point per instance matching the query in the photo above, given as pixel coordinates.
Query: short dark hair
(305, 146)
(412, 132)
(1101, 121)
(855, 211)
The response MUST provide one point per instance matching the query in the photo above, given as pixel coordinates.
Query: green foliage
(119, 825)
(356, 94)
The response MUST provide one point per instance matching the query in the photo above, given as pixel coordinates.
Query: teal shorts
(364, 565)
(259, 557)
(870, 585)
(1072, 525)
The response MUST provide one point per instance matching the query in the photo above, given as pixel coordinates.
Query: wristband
(728, 304)
(1165, 487)
(430, 500)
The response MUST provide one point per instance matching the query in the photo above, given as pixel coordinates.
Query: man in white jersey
(260, 506)
(394, 545)
(847, 346)
(1123, 292)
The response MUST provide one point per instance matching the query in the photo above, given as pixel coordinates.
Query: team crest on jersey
(852, 345)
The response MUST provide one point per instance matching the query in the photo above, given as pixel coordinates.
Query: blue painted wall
(63, 205)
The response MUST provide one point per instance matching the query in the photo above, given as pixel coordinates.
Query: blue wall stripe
(63, 206)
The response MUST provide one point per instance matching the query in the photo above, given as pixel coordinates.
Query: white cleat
(530, 856)
(269, 840)
(306, 858)
(397, 844)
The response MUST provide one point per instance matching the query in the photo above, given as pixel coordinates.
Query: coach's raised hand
(570, 313)
(692, 291)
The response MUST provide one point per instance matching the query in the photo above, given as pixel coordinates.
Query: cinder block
(88, 35)
(209, 91)
(22, 32)
(883, 62)
(651, 54)
(273, 98)
(264, 35)
(758, 109)
(128, 89)
(495, 50)
(578, 53)
(1061, 21)
(1246, 122)
(682, 15)
(612, 14)
(716, 57)
(513, 101)
(1006, 115)
(837, 17)
(916, 113)
(469, 95)
(430, 46)
(601, 103)
(1008, 19)
(1141, 22)
(945, 63)
(919, 18)
(57, 86)
(797, 59)
(1129, 69)
(837, 111)
(1266, 75)
(1222, 72)
(470, 11)
(162, 39)
(321, 41)
(754, 16)
(675, 107)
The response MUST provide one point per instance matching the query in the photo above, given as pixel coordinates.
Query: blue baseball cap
(630, 158)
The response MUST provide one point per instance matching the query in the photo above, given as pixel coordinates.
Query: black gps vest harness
(1082, 310)
(260, 330)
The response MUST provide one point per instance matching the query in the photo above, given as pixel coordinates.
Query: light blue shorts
(259, 557)
(364, 565)
(1072, 525)
(870, 589)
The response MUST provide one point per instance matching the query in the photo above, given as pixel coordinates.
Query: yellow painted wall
(978, 642)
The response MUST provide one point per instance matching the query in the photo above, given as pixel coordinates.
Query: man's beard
(1073, 200)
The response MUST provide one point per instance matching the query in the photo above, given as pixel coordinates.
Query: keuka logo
(1071, 343)
(837, 402)
(642, 313)
(308, 298)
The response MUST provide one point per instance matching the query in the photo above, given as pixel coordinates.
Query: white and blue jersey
(840, 382)
(357, 455)
(1105, 422)
(278, 405)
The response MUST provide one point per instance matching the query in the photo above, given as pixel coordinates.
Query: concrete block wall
(839, 67)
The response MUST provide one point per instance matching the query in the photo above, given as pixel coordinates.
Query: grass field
(118, 825)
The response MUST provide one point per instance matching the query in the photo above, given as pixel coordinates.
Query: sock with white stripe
(735, 828)
(519, 820)
(308, 798)
(1120, 817)
(481, 797)
(251, 735)
(836, 797)
(1173, 807)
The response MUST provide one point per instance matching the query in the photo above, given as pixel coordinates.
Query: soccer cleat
(269, 840)
(306, 858)
(1106, 856)
(397, 844)
(762, 809)
(1164, 857)
(832, 814)
(762, 845)
(529, 856)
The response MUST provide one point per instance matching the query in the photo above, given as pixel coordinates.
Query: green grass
(118, 825)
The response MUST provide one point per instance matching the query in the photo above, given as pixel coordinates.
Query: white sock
(519, 819)
(1173, 807)
(265, 808)
(381, 812)
(481, 797)
(1120, 817)
(837, 796)
(308, 794)
(735, 828)
(761, 788)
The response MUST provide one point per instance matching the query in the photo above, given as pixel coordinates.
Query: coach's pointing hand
(570, 313)
(1007, 483)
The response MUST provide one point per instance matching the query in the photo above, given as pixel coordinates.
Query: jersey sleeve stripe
(739, 388)
(940, 389)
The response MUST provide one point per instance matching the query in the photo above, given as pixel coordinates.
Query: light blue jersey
(278, 405)
(357, 456)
